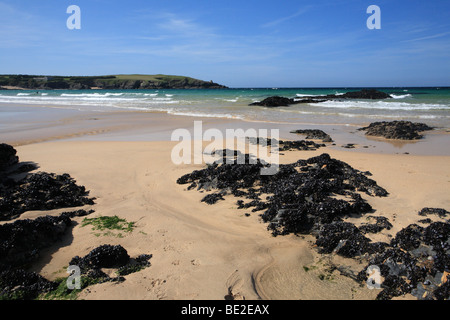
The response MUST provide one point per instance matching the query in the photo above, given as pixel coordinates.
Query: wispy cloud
(434, 36)
(287, 18)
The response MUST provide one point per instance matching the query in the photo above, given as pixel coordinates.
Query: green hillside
(122, 81)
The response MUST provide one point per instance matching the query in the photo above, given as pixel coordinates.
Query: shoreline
(35, 124)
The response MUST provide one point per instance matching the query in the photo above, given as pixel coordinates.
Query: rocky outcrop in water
(402, 130)
(277, 101)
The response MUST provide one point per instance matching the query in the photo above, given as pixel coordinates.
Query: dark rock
(365, 94)
(381, 223)
(301, 193)
(41, 191)
(442, 213)
(8, 156)
(408, 238)
(403, 130)
(416, 263)
(105, 256)
(18, 284)
(21, 241)
(140, 262)
(274, 101)
(344, 238)
(77, 213)
(212, 198)
(314, 134)
(109, 256)
(287, 145)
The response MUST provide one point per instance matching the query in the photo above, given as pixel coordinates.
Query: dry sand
(205, 251)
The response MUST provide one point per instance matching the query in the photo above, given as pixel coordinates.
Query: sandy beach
(203, 251)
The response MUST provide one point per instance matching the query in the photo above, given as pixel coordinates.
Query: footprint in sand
(195, 262)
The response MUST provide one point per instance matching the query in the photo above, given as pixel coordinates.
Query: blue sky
(246, 43)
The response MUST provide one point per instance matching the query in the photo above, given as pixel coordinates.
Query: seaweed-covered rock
(274, 101)
(212, 198)
(403, 130)
(347, 240)
(18, 284)
(381, 223)
(109, 256)
(298, 198)
(365, 94)
(105, 256)
(286, 145)
(442, 213)
(418, 262)
(8, 156)
(41, 191)
(21, 241)
(314, 134)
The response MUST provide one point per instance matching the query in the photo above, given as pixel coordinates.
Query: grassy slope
(110, 79)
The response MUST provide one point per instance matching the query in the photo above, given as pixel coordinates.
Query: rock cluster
(34, 191)
(8, 156)
(287, 145)
(417, 261)
(277, 101)
(300, 199)
(18, 284)
(300, 193)
(314, 134)
(109, 256)
(403, 130)
(21, 241)
(20, 245)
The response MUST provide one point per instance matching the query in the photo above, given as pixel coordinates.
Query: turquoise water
(430, 105)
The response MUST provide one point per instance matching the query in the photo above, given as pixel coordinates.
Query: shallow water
(429, 105)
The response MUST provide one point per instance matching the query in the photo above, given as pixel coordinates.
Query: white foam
(401, 96)
(204, 115)
(382, 105)
(307, 95)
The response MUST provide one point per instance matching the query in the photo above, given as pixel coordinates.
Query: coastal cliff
(136, 81)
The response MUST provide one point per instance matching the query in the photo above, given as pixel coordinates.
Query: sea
(430, 105)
